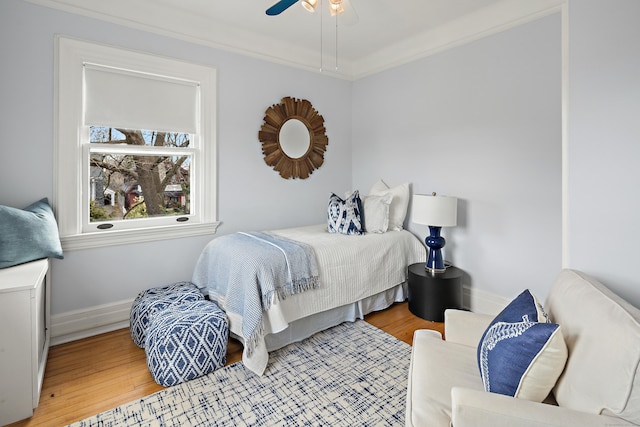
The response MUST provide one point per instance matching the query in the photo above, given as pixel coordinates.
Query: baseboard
(480, 301)
(78, 324)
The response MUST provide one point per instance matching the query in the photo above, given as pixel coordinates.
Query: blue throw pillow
(28, 234)
(524, 304)
(345, 216)
(522, 359)
(521, 353)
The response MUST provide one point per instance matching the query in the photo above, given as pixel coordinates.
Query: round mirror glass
(294, 138)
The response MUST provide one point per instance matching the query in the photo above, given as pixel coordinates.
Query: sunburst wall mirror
(293, 138)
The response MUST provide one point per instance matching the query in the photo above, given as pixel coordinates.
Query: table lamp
(436, 212)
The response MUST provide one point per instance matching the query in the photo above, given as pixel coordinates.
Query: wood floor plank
(95, 374)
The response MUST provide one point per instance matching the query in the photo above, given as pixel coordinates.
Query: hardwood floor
(95, 374)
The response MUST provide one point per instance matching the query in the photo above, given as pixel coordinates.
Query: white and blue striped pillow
(345, 216)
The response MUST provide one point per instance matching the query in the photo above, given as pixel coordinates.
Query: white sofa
(599, 386)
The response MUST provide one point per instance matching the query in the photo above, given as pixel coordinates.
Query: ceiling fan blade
(280, 7)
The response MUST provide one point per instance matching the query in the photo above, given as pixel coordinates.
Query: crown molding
(498, 17)
(199, 31)
(490, 20)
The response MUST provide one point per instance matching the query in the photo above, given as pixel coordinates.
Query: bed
(356, 275)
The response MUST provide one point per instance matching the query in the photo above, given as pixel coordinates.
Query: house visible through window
(128, 184)
(141, 129)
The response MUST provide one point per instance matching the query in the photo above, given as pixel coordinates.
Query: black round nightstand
(430, 294)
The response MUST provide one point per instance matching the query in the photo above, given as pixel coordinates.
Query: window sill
(125, 237)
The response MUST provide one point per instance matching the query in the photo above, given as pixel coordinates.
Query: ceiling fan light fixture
(335, 7)
(309, 5)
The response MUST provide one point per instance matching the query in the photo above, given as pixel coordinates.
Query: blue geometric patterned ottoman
(156, 299)
(186, 341)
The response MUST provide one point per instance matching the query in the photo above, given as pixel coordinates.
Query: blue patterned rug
(351, 375)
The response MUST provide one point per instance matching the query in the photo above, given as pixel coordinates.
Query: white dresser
(24, 338)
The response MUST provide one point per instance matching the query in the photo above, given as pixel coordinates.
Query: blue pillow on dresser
(28, 234)
(522, 354)
(345, 216)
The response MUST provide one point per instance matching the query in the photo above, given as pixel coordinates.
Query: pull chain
(336, 41)
(321, 36)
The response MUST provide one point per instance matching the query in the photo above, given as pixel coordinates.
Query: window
(137, 174)
(135, 148)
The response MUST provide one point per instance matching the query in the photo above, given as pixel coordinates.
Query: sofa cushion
(602, 332)
(436, 367)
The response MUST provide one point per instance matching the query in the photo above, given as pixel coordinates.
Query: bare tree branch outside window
(126, 186)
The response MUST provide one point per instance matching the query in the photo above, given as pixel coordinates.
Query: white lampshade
(438, 211)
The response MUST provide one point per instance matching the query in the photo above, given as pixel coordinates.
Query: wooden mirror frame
(269, 135)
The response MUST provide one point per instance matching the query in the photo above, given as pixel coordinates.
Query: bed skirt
(303, 328)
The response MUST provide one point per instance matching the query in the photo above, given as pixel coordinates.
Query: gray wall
(481, 122)
(603, 142)
(250, 194)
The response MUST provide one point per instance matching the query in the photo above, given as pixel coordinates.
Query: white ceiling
(385, 33)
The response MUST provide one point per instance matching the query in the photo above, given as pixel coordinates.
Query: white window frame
(71, 141)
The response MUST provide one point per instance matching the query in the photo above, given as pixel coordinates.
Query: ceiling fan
(336, 7)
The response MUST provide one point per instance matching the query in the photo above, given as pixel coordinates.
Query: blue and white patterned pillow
(345, 216)
(524, 304)
(520, 356)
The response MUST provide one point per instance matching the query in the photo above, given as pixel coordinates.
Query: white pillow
(399, 202)
(376, 213)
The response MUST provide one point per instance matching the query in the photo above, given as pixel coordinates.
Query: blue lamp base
(435, 242)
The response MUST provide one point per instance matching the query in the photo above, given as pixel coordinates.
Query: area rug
(351, 375)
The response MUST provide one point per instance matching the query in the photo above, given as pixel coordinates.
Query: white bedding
(351, 268)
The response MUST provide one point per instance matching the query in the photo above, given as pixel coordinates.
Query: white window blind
(105, 86)
(133, 100)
